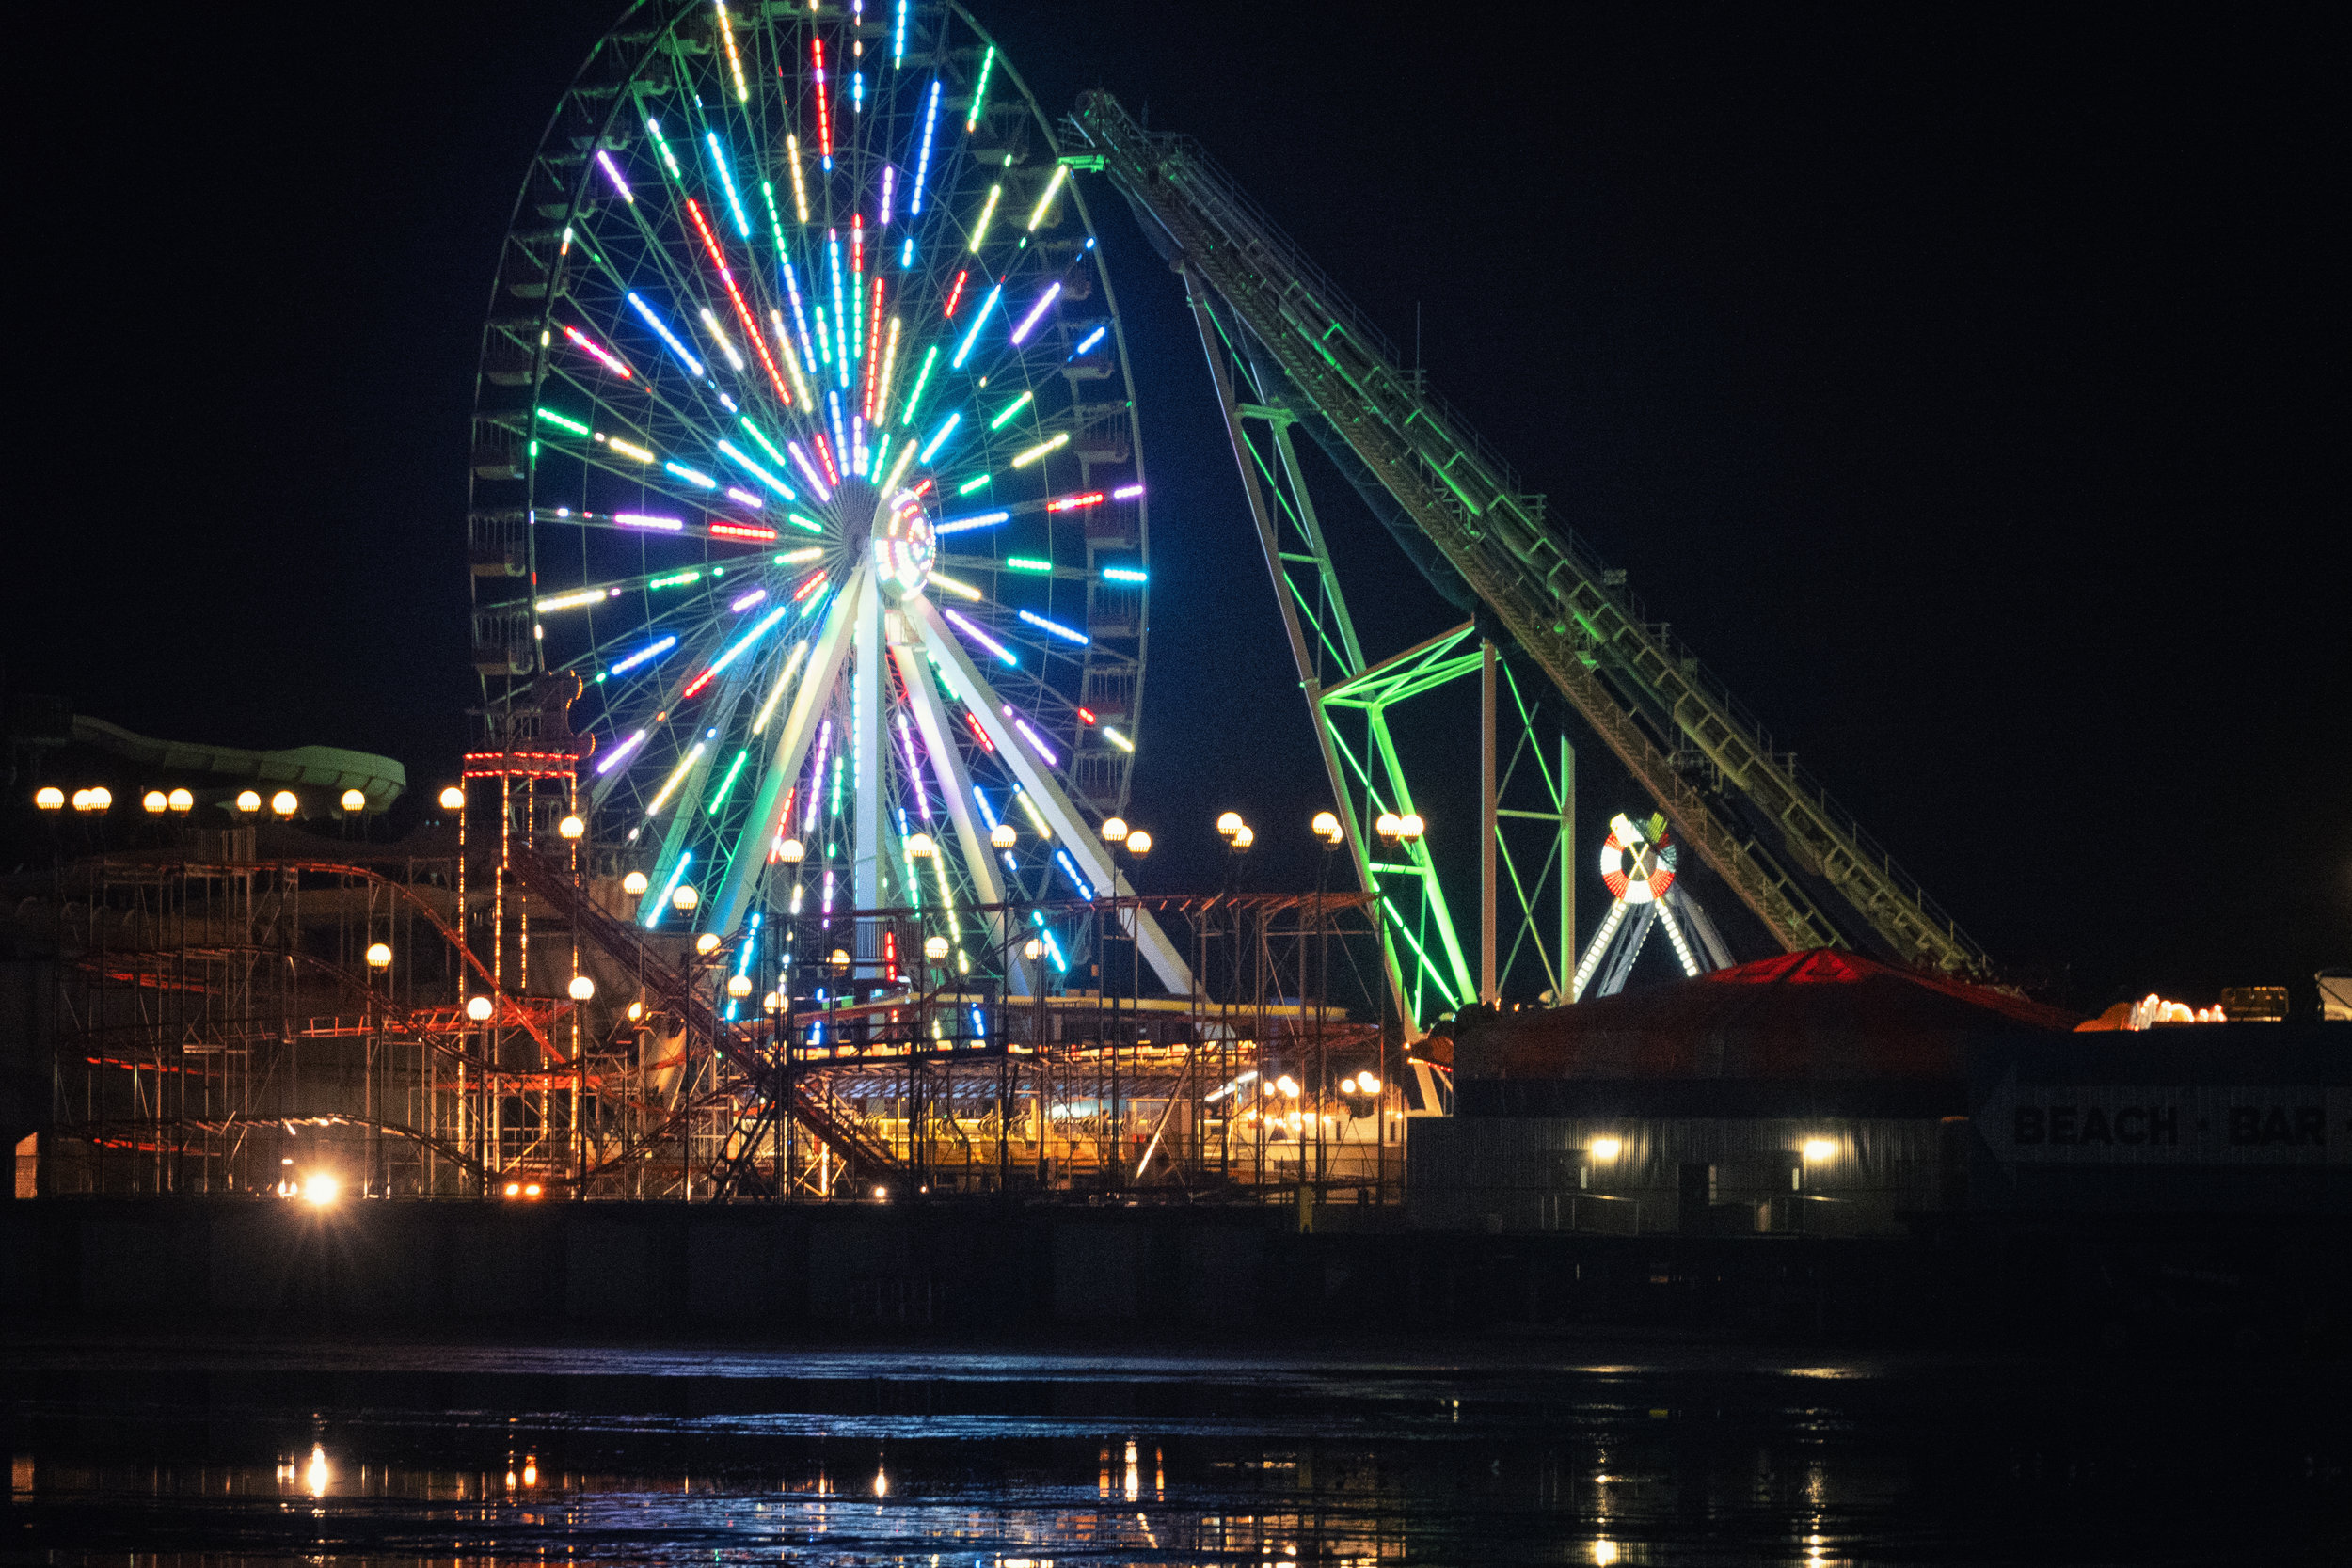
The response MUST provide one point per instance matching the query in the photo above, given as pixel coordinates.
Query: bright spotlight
(1608, 1148)
(322, 1188)
(479, 1009)
(1819, 1149)
(452, 799)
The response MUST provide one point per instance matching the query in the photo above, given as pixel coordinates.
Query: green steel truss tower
(1288, 349)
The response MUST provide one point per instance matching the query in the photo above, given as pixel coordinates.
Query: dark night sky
(1957, 380)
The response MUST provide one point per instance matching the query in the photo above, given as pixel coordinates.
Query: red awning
(1824, 1014)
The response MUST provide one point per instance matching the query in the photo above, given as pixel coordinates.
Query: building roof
(1824, 1014)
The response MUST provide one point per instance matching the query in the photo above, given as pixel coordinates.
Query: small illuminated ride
(804, 438)
(1637, 866)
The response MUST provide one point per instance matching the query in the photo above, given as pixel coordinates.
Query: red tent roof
(1814, 1015)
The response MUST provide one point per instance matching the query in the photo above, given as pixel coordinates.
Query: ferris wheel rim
(635, 51)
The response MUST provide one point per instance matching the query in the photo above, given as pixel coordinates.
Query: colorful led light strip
(1028, 323)
(808, 470)
(1126, 492)
(961, 590)
(612, 172)
(727, 182)
(973, 484)
(661, 144)
(674, 579)
(735, 62)
(941, 435)
(627, 449)
(644, 519)
(988, 216)
(799, 185)
(1075, 503)
(735, 454)
(564, 422)
(824, 116)
(661, 330)
(1008, 410)
(979, 90)
(677, 777)
(651, 651)
(984, 519)
(922, 379)
(1118, 739)
(1055, 626)
(977, 635)
(1052, 187)
(1092, 338)
(747, 600)
(742, 531)
(1054, 444)
(744, 497)
(573, 601)
(742, 311)
(1027, 563)
(979, 319)
(1124, 574)
(661, 901)
(613, 759)
(609, 360)
(691, 476)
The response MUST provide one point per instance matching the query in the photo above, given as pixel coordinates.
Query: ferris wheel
(805, 442)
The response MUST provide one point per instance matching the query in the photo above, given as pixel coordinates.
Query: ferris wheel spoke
(1069, 826)
(821, 675)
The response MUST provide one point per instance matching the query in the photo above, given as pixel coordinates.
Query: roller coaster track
(675, 990)
(1789, 851)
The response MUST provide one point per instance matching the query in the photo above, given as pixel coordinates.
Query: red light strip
(1071, 503)
(742, 311)
(824, 454)
(741, 530)
(609, 360)
(873, 351)
(696, 684)
(979, 733)
(824, 117)
(808, 585)
(957, 293)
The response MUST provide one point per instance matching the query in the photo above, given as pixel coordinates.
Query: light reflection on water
(353, 1455)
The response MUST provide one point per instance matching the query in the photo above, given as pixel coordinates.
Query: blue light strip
(692, 365)
(980, 320)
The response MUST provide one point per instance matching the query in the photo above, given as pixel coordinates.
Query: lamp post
(379, 964)
(1393, 831)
